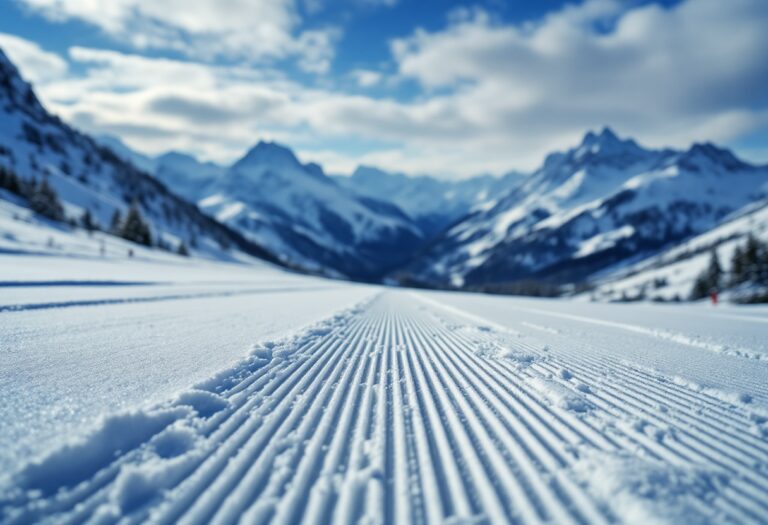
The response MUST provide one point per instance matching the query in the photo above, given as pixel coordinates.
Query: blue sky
(447, 87)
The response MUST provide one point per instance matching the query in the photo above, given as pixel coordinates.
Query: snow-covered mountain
(307, 218)
(433, 203)
(670, 275)
(182, 173)
(87, 176)
(185, 175)
(589, 208)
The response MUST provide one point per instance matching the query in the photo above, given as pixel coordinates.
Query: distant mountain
(143, 162)
(433, 203)
(590, 208)
(185, 175)
(88, 176)
(182, 173)
(309, 219)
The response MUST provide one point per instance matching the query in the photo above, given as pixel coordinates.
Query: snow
(599, 200)
(23, 232)
(672, 273)
(604, 240)
(210, 392)
(307, 218)
(433, 203)
(139, 386)
(85, 175)
(115, 347)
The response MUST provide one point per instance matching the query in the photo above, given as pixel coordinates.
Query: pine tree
(9, 181)
(44, 201)
(762, 264)
(738, 274)
(709, 280)
(752, 258)
(87, 221)
(700, 289)
(115, 224)
(135, 229)
(714, 273)
(182, 250)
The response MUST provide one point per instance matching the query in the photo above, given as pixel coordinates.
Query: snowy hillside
(589, 208)
(187, 391)
(670, 275)
(36, 146)
(433, 203)
(293, 209)
(298, 212)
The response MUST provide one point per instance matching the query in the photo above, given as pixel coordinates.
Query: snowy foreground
(192, 392)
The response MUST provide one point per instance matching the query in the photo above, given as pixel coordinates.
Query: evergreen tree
(762, 264)
(182, 250)
(9, 181)
(700, 288)
(28, 188)
(135, 229)
(709, 280)
(752, 258)
(714, 273)
(115, 223)
(738, 273)
(87, 221)
(44, 201)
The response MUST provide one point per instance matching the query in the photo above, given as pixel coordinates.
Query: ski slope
(271, 398)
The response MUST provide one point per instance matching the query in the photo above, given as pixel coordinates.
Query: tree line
(45, 202)
(749, 267)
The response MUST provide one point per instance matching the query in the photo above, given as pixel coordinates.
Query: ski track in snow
(401, 410)
(156, 298)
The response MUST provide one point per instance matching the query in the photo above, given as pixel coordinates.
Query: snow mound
(643, 491)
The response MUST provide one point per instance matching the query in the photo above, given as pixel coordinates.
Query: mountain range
(589, 209)
(433, 203)
(586, 214)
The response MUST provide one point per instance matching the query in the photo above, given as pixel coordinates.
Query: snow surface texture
(397, 407)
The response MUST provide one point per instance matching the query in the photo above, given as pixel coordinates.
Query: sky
(444, 87)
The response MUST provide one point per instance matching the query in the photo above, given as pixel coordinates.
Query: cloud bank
(489, 96)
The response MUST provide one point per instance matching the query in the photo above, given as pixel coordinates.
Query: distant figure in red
(713, 296)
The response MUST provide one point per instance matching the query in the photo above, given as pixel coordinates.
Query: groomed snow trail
(402, 411)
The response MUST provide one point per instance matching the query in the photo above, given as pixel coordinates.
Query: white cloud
(36, 64)
(669, 75)
(366, 77)
(204, 29)
(494, 96)
(385, 3)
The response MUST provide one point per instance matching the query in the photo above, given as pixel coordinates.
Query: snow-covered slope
(307, 218)
(433, 203)
(87, 176)
(119, 148)
(234, 394)
(591, 207)
(671, 274)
